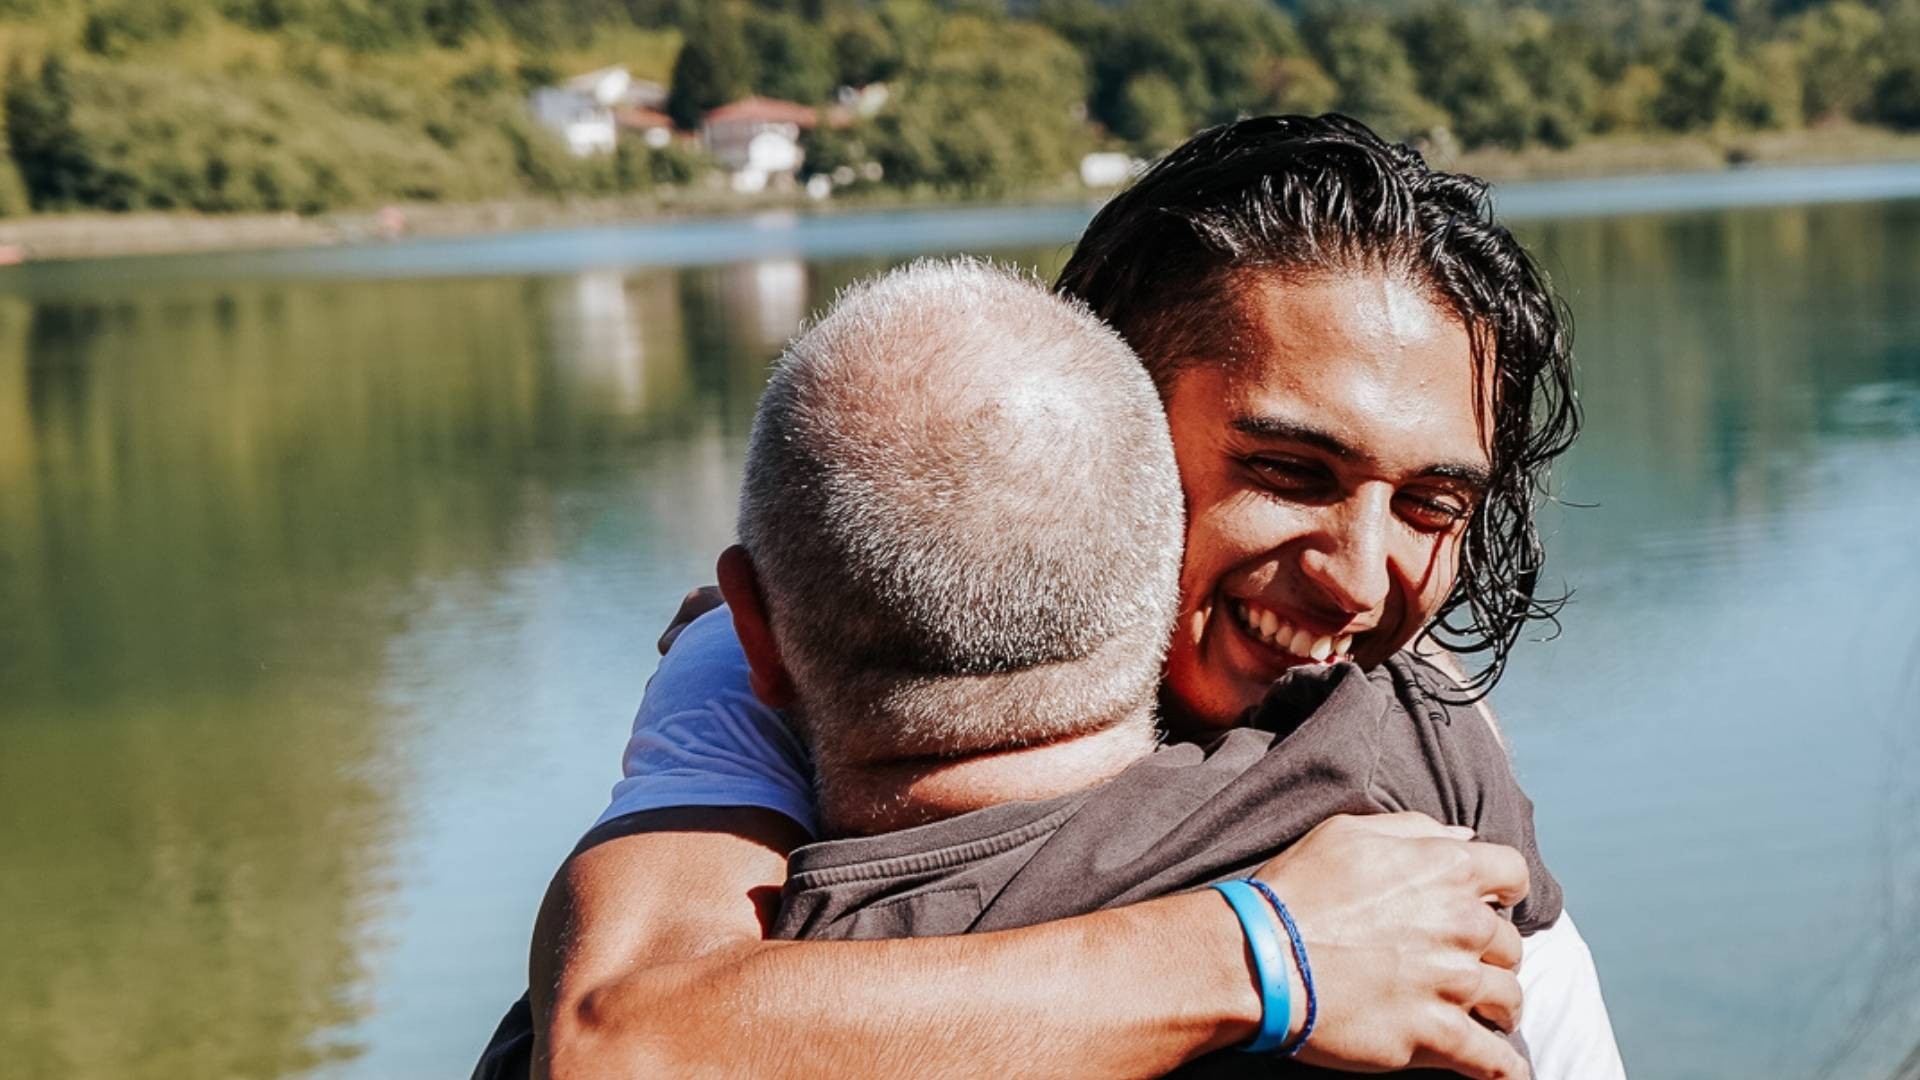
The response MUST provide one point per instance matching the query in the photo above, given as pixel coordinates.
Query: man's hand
(1406, 948)
(695, 604)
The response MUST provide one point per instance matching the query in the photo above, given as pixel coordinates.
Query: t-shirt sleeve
(700, 737)
(1569, 1035)
(1465, 758)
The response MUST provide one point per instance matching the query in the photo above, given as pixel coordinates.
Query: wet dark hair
(1166, 260)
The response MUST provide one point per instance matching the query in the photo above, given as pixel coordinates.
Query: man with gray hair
(960, 547)
(960, 534)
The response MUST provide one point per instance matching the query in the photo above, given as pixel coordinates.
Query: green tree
(715, 66)
(114, 29)
(451, 22)
(1700, 84)
(1238, 42)
(1463, 69)
(790, 58)
(1146, 40)
(863, 50)
(1359, 50)
(1840, 46)
(1556, 59)
(1770, 93)
(996, 109)
(1627, 103)
(1896, 100)
(1297, 84)
(46, 146)
(1152, 115)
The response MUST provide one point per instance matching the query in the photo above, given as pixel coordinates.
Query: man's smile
(1276, 642)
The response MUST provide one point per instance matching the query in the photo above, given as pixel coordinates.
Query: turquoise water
(330, 580)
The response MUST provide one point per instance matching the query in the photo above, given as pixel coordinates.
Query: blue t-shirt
(702, 739)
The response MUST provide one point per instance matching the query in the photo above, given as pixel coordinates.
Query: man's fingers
(1473, 1051)
(1408, 823)
(1503, 946)
(1501, 873)
(696, 603)
(1498, 999)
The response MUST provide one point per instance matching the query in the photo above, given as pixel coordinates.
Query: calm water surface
(329, 580)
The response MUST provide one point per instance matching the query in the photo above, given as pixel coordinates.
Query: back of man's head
(963, 513)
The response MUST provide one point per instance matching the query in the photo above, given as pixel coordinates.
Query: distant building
(650, 126)
(580, 110)
(1106, 169)
(757, 140)
(642, 94)
(863, 101)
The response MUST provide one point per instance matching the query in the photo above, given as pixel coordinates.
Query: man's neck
(886, 796)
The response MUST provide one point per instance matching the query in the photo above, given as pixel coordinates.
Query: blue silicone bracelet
(1269, 964)
(1300, 955)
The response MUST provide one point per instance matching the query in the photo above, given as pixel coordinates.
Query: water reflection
(1735, 684)
(327, 599)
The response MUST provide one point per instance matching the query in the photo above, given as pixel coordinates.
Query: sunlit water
(329, 580)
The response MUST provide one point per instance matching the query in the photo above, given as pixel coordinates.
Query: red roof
(641, 119)
(765, 110)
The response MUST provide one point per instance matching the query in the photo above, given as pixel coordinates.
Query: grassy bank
(96, 235)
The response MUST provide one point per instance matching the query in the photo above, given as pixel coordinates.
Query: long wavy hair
(1297, 195)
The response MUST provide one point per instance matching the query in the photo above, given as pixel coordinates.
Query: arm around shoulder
(649, 960)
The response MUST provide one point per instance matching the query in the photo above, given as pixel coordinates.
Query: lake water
(329, 580)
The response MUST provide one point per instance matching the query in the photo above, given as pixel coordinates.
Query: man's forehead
(1365, 360)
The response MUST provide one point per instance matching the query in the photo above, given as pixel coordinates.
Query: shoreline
(1586, 167)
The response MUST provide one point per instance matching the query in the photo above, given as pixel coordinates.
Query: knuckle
(1460, 986)
(1465, 925)
(1487, 926)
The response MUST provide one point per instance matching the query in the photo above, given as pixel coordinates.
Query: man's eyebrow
(1282, 429)
(1472, 476)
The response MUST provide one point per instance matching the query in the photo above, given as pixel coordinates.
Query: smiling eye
(1289, 476)
(1433, 513)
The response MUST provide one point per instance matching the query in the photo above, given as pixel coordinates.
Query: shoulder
(1453, 740)
(701, 738)
(1455, 736)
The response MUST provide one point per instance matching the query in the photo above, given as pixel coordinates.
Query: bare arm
(649, 959)
(675, 979)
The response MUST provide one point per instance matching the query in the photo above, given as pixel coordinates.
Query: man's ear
(766, 673)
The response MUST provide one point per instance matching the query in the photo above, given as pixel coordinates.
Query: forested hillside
(310, 105)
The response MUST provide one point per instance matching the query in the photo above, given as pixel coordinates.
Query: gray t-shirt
(1325, 741)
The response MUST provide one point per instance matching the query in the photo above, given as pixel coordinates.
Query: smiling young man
(1250, 270)
(1330, 467)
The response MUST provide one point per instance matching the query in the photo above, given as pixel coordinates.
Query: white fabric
(1563, 1018)
(702, 739)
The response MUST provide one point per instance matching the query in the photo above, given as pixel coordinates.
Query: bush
(143, 137)
(1896, 100)
(637, 166)
(996, 111)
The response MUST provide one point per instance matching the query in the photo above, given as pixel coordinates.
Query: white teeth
(1273, 630)
(1302, 643)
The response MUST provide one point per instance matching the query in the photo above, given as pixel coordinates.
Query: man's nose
(1349, 564)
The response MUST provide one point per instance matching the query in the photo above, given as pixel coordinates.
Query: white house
(757, 140)
(581, 109)
(1106, 169)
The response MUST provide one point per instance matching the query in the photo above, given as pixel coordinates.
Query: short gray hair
(962, 506)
